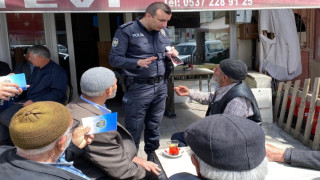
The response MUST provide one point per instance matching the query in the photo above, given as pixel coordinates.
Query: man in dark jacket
(40, 133)
(232, 96)
(48, 83)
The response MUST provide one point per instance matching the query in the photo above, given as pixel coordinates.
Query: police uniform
(144, 100)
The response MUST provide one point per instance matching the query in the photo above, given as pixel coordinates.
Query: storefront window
(25, 30)
(62, 40)
(200, 37)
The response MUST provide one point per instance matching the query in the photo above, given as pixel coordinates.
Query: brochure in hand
(176, 61)
(19, 79)
(100, 124)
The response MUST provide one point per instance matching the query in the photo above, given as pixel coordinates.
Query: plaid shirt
(238, 106)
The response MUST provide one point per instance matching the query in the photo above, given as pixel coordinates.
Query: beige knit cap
(39, 124)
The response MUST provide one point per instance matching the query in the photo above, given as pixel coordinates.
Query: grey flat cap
(234, 69)
(227, 142)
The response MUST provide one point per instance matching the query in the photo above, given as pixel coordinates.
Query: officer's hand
(181, 90)
(146, 62)
(173, 52)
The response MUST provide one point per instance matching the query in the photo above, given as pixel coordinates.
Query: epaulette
(126, 24)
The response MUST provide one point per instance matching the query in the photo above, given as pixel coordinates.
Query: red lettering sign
(140, 5)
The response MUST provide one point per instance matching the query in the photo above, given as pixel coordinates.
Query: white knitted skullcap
(97, 79)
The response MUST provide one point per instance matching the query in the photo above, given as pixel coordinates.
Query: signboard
(140, 5)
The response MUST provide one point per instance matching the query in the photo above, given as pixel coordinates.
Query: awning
(47, 6)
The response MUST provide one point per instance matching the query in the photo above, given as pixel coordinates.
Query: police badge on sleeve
(115, 42)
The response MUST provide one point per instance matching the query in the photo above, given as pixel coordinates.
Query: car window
(185, 50)
(214, 47)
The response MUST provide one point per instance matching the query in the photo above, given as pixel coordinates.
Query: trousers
(144, 106)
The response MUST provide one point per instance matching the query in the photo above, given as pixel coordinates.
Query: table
(276, 171)
(172, 166)
(178, 72)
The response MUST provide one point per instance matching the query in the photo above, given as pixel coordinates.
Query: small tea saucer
(166, 153)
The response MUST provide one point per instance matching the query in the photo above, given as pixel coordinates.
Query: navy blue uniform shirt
(132, 41)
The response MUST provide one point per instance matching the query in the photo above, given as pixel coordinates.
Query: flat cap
(234, 69)
(227, 142)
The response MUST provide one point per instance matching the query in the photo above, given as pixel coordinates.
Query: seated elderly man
(232, 96)
(48, 83)
(41, 132)
(226, 147)
(112, 154)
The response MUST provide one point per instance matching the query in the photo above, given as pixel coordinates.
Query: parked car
(62, 49)
(187, 50)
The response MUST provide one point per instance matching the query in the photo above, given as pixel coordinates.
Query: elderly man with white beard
(232, 96)
(112, 154)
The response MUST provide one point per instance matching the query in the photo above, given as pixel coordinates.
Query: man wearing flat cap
(41, 132)
(226, 147)
(232, 96)
(113, 154)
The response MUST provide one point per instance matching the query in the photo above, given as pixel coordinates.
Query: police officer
(138, 48)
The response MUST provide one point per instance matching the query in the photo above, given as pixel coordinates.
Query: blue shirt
(103, 108)
(67, 166)
(48, 83)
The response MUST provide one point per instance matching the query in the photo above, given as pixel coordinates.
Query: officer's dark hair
(40, 51)
(152, 8)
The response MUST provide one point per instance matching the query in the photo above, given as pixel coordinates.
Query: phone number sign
(208, 3)
(140, 5)
(239, 4)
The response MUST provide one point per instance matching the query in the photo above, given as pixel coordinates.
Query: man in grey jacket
(113, 154)
(294, 157)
